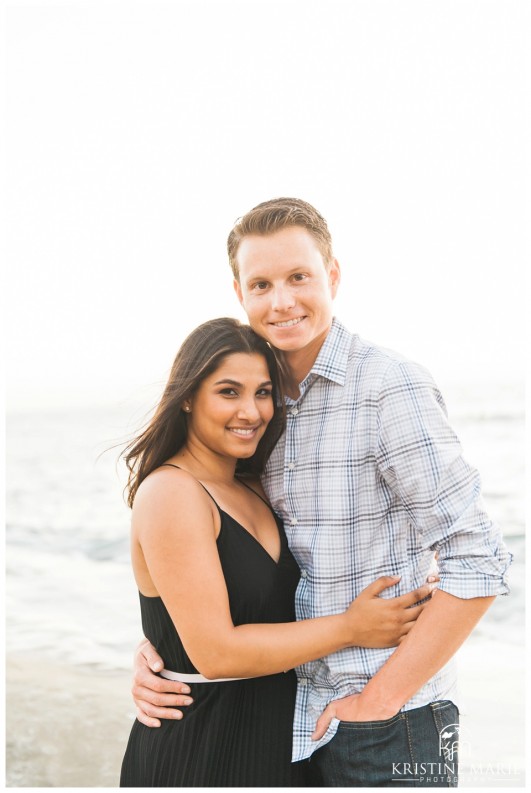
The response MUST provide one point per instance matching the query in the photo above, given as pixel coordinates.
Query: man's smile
(288, 323)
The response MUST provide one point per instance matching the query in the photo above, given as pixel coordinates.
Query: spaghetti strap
(254, 491)
(172, 465)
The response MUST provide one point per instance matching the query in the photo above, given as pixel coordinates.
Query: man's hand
(352, 708)
(155, 698)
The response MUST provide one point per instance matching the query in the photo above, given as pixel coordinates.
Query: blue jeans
(415, 748)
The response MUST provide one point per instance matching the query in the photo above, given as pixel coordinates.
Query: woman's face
(232, 407)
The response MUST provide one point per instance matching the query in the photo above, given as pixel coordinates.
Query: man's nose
(283, 298)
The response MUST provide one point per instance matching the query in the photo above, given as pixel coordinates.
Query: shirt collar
(332, 360)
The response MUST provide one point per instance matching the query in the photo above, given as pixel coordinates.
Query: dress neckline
(248, 533)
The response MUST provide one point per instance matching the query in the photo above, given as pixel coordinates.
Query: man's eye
(260, 285)
(299, 277)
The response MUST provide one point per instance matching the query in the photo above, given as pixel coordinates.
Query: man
(369, 480)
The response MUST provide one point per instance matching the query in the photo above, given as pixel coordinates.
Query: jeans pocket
(403, 751)
(363, 754)
(370, 725)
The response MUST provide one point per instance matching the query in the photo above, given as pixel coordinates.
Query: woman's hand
(384, 622)
(155, 698)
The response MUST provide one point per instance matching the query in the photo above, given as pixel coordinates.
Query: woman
(215, 575)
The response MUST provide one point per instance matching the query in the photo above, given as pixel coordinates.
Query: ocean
(70, 593)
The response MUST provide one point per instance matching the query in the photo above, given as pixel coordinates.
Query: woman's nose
(248, 410)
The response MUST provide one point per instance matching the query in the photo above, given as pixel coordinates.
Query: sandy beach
(67, 726)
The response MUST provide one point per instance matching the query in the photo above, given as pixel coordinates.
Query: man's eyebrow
(296, 268)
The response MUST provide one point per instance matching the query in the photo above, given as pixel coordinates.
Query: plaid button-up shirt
(370, 480)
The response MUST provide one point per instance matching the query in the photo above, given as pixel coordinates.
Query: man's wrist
(376, 703)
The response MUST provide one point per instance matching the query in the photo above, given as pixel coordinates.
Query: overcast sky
(138, 132)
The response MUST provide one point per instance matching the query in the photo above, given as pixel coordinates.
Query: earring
(186, 407)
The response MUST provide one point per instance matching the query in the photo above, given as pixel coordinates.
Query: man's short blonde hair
(277, 214)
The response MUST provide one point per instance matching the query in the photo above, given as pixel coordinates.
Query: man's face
(286, 289)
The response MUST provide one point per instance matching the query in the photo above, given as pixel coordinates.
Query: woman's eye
(228, 392)
(264, 392)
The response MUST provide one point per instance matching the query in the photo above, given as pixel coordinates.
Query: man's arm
(438, 633)
(421, 461)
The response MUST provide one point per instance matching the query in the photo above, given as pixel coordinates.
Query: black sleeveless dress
(236, 733)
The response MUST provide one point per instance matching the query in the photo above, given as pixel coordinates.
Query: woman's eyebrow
(228, 381)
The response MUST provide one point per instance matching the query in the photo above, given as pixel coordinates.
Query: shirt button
(302, 681)
(291, 466)
(294, 411)
(303, 574)
(293, 522)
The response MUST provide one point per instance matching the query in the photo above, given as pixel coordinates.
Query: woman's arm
(174, 525)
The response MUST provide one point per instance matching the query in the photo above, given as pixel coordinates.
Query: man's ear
(238, 290)
(334, 276)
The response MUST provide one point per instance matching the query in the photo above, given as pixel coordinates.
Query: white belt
(181, 677)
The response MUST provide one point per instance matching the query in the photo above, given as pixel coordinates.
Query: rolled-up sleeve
(420, 459)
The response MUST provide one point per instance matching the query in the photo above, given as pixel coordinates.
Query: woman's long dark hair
(200, 355)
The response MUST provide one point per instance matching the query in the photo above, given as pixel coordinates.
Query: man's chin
(286, 346)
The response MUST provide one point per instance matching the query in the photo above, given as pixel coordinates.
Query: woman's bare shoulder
(168, 489)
